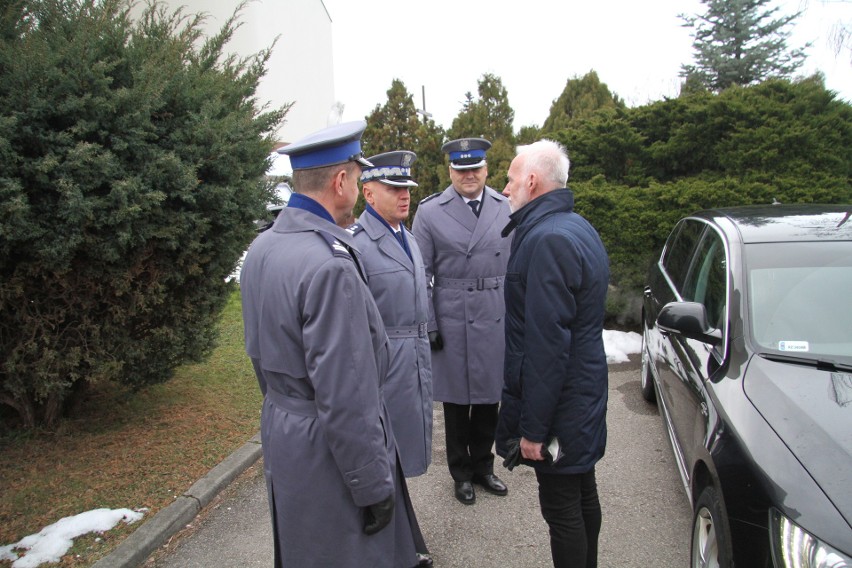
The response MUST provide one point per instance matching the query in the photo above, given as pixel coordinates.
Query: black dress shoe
(423, 561)
(464, 492)
(491, 483)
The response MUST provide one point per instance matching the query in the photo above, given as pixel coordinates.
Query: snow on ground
(619, 344)
(53, 541)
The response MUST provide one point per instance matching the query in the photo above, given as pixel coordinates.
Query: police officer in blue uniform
(319, 349)
(458, 231)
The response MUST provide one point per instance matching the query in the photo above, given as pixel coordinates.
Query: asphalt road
(646, 516)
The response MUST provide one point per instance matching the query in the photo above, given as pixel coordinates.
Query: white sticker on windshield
(793, 346)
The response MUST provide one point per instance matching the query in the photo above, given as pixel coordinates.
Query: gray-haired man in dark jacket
(555, 389)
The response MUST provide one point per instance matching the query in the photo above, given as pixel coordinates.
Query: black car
(747, 350)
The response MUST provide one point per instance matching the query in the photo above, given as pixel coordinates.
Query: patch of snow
(619, 344)
(53, 541)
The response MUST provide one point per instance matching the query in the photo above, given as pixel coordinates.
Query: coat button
(470, 289)
(498, 253)
(469, 321)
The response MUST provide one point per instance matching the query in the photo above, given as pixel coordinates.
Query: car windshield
(800, 298)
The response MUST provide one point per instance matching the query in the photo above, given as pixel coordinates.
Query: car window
(706, 281)
(677, 257)
(799, 297)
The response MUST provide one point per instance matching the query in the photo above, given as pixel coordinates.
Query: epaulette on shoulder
(354, 228)
(425, 199)
(337, 248)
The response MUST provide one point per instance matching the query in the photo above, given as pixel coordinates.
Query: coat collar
(387, 243)
(556, 201)
(301, 201)
(292, 220)
(456, 208)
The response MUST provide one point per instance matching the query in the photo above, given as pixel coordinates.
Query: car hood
(811, 410)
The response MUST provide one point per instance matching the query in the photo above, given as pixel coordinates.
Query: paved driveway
(646, 515)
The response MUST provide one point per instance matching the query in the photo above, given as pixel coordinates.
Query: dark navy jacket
(555, 364)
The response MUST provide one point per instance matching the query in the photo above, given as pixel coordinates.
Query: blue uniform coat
(555, 368)
(398, 284)
(320, 353)
(467, 257)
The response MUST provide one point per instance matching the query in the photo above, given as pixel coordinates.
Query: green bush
(634, 222)
(635, 172)
(131, 166)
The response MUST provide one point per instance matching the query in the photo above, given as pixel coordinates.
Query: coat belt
(470, 283)
(418, 330)
(299, 406)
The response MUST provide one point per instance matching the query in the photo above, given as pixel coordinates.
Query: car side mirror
(688, 319)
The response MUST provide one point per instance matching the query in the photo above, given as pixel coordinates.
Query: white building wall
(301, 67)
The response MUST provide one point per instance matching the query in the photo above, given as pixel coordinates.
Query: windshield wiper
(821, 364)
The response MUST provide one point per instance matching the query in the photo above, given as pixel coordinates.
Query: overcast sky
(534, 47)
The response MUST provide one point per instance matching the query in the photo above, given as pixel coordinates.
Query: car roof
(779, 223)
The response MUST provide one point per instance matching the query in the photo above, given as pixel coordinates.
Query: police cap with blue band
(466, 153)
(391, 168)
(336, 144)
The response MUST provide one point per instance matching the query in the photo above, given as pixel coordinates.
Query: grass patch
(131, 450)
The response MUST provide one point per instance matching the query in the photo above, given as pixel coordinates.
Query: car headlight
(793, 547)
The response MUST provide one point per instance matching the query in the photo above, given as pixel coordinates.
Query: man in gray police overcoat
(458, 231)
(395, 274)
(320, 352)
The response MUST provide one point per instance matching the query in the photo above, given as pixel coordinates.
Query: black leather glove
(378, 515)
(436, 342)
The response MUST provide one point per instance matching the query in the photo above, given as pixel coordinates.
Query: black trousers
(570, 506)
(470, 430)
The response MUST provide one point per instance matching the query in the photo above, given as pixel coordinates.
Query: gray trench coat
(320, 352)
(398, 284)
(467, 258)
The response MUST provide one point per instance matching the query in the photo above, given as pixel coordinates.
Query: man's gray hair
(547, 158)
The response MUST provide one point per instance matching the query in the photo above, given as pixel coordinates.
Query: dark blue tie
(474, 206)
(402, 243)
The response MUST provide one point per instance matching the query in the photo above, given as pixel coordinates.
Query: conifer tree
(740, 42)
(132, 159)
(581, 97)
(491, 117)
(488, 116)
